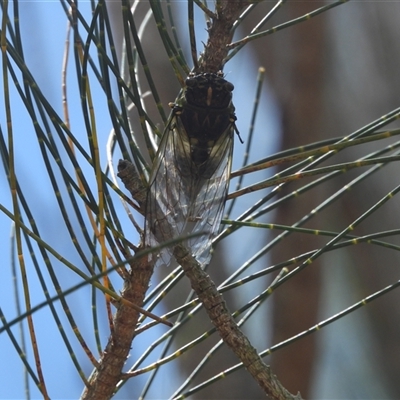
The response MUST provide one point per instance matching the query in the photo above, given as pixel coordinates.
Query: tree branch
(105, 378)
(220, 34)
(229, 331)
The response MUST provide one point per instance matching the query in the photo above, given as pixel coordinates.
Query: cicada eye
(229, 86)
(190, 81)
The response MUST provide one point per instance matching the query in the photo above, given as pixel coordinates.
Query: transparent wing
(164, 217)
(186, 198)
(207, 207)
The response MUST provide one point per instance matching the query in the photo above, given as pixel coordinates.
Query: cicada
(190, 175)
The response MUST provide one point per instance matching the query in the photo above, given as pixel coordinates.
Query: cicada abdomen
(190, 176)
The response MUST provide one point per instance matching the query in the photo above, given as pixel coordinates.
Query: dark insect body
(190, 175)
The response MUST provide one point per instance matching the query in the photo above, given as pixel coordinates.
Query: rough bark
(105, 377)
(229, 331)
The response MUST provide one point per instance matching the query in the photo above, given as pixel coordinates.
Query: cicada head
(204, 120)
(208, 91)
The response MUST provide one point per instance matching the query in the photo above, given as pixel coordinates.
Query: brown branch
(104, 379)
(131, 179)
(220, 34)
(229, 331)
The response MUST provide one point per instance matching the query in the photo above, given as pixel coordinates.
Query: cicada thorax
(206, 114)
